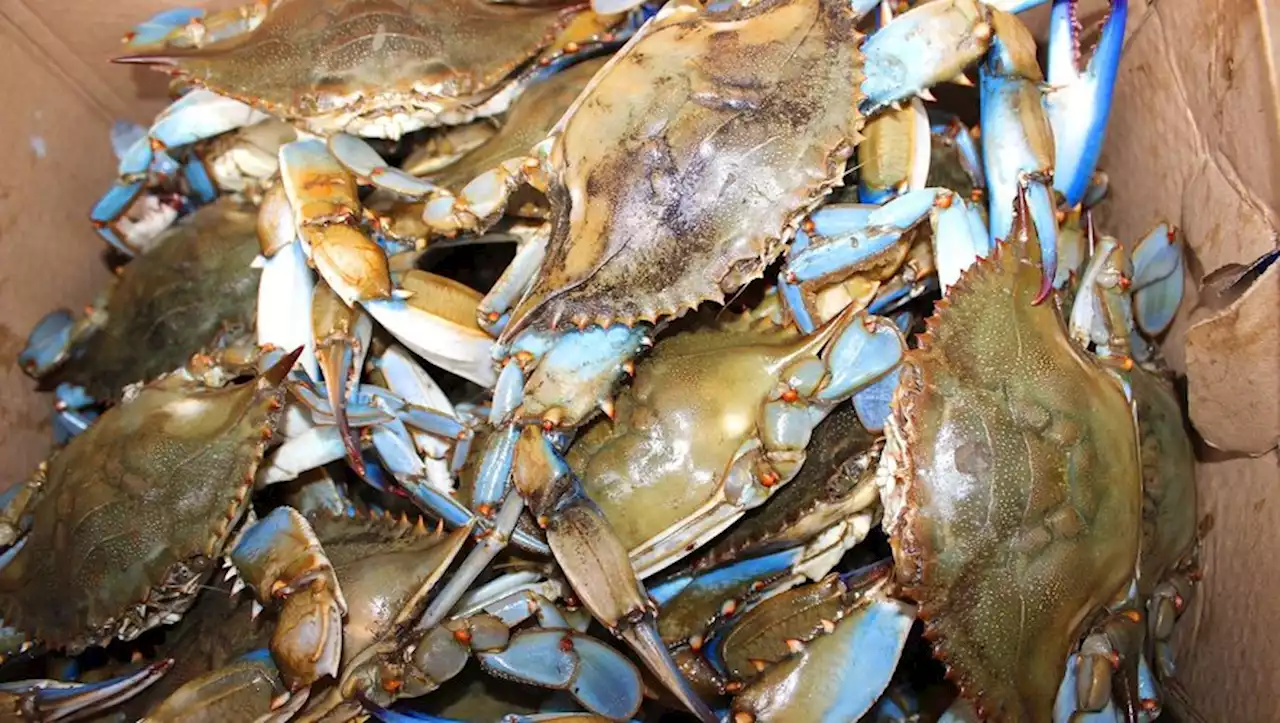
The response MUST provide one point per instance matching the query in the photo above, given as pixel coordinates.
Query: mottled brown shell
(685, 166)
(1168, 479)
(1014, 516)
(171, 302)
(136, 510)
(312, 57)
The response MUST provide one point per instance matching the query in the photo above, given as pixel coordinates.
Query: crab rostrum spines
(689, 160)
(1014, 488)
(135, 512)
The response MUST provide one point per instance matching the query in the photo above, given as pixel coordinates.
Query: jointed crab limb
(342, 335)
(285, 291)
(893, 156)
(328, 215)
(248, 687)
(1078, 99)
(822, 652)
(594, 560)
(53, 700)
(1102, 314)
(1158, 269)
(495, 309)
(197, 115)
(1017, 142)
(281, 560)
(840, 239)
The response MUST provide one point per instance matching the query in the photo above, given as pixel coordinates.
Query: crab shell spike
(971, 520)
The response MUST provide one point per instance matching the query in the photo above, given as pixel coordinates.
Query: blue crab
(173, 464)
(971, 518)
(194, 288)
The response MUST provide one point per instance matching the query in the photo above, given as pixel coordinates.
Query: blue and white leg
(198, 115)
(840, 239)
(48, 344)
(1017, 146)
(1078, 98)
(495, 309)
(1158, 269)
(53, 700)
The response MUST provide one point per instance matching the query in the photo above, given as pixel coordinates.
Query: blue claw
(843, 237)
(51, 700)
(960, 237)
(872, 403)
(1078, 99)
(48, 344)
(836, 677)
(927, 45)
(1066, 707)
(1157, 280)
(1018, 152)
(111, 207)
(158, 27)
(866, 350)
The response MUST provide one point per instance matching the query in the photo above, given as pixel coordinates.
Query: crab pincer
(281, 559)
(342, 335)
(1078, 97)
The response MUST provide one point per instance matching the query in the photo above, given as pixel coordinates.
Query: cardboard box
(1194, 139)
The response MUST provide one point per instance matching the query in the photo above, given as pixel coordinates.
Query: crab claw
(1078, 99)
(595, 561)
(1017, 142)
(48, 344)
(342, 335)
(53, 700)
(247, 688)
(280, 559)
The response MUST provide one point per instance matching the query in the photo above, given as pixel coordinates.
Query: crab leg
(1078, 99)
(841, 239)
(197, 115)
(1158, 268)
(929, 44)
(342, 335)
(281, 559)
(53, 700)
(495, 309)
(1102, 314)
(247, 688)
(1017, 142)
(48, 344)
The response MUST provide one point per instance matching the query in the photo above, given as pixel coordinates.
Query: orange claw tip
(1046, 287)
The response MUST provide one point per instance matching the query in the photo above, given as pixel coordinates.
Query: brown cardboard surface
(1233, 409)
(56, 155)
(1194, 139)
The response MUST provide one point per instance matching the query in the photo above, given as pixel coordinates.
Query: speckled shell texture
(684, 167)
(1016, 511)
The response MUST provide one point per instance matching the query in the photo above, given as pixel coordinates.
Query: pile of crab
(791, 396)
